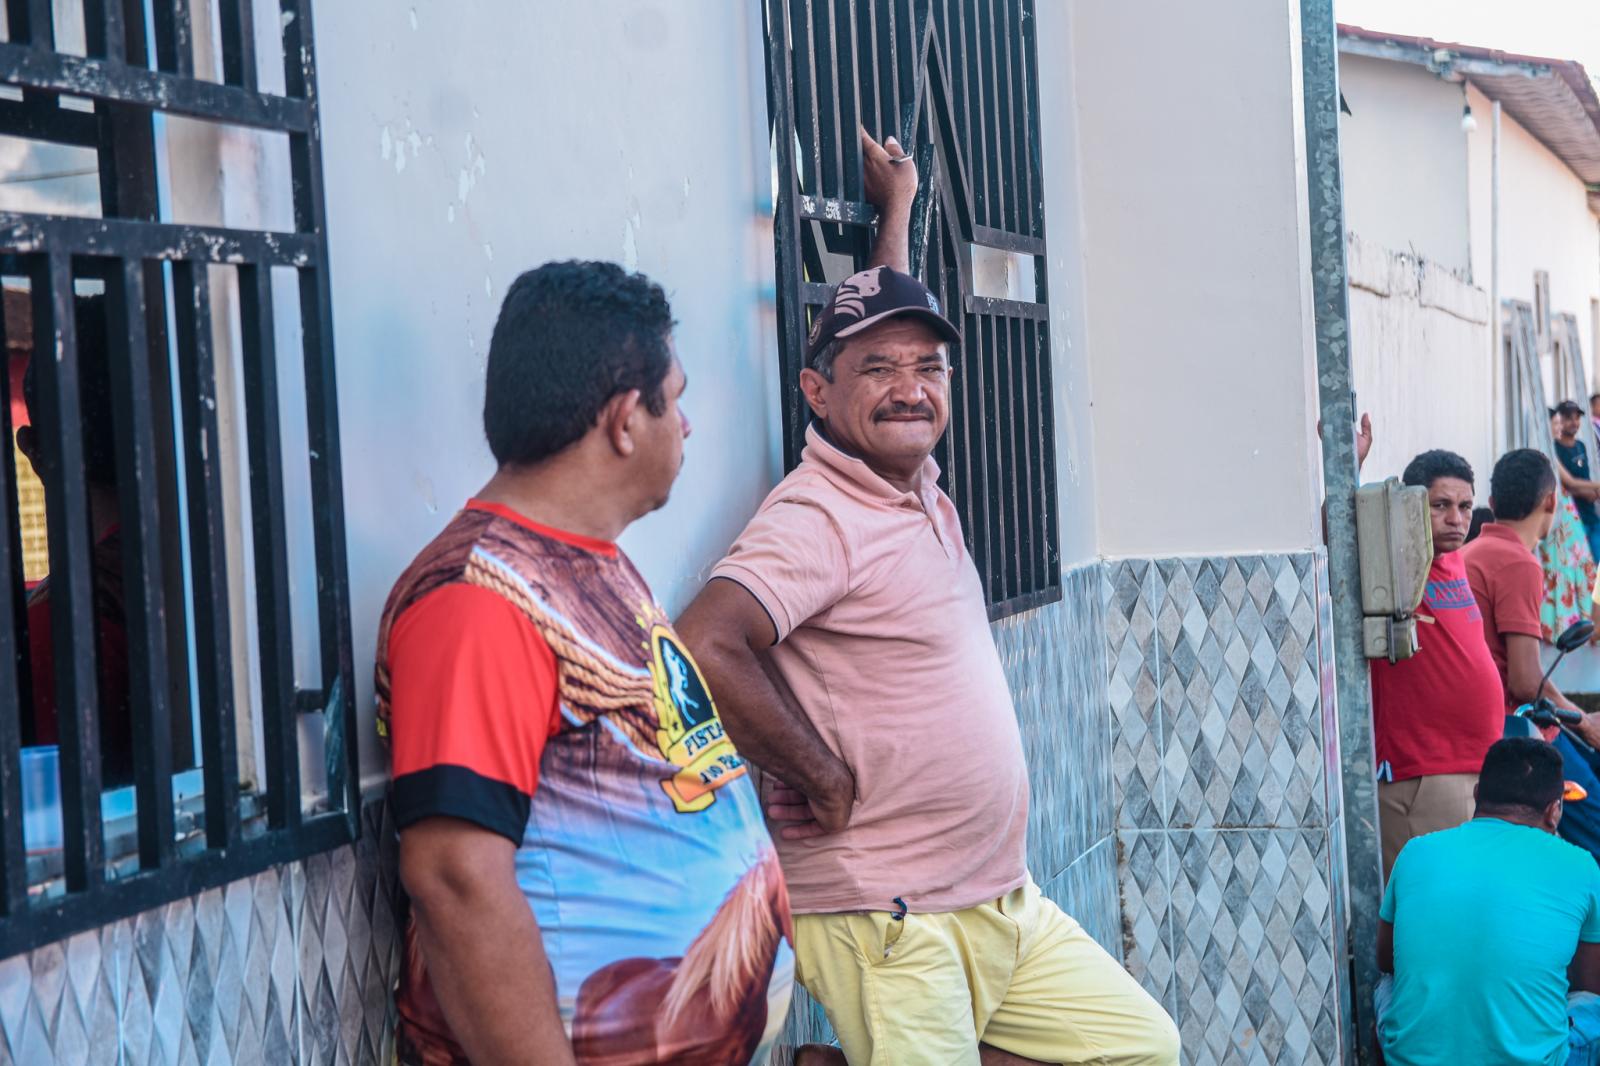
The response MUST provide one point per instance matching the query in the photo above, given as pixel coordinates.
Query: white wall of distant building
(1420, 361)
(1545, 220)
(1418, 193)
(1405, 159)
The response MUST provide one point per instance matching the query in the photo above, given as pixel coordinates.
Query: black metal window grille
(111, 100)
(959, 80)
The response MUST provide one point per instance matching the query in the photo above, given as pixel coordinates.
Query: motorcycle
(1529, 719)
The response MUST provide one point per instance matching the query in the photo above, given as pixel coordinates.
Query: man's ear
(616, 421)
(1552, 816)
(1550, 502)
(812, 384)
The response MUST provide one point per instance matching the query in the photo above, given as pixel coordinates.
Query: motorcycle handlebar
(1542, 713)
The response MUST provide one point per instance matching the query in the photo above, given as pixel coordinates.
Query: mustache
(900, 410)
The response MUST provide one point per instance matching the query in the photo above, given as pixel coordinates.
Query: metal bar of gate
(13, 654)
(207, 510)
(805, 98)
(786, 224)
(71, 592)
(850, 121)
(993, 105)
(237, 25)
(174, 37)
(1005, 35)
(885, 68)
(343, 758)
(160, 90)
(830, 136)
(41, 24)
(279, 714)
(144, 585)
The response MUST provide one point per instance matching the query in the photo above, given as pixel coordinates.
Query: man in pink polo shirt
(846, 639)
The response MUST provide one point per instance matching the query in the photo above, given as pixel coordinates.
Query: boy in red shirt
(1436, 714)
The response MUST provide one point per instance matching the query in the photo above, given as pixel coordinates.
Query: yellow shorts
(1016, 974)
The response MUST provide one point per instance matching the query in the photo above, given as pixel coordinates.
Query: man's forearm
(1558, 697)
(892, 248)
(488, 969)
(768, 727)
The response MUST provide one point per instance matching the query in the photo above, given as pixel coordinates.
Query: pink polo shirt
(883, 637)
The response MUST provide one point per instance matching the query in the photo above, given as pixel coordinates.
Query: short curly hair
(1432, 465)
(1521, 480)
(570, 336)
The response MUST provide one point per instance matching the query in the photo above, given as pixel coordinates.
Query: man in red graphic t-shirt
(588, 875)
(1436, 714)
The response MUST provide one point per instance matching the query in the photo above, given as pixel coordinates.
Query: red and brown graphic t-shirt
(528, 682)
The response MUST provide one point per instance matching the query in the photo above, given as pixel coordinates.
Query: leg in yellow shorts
(1015, 973)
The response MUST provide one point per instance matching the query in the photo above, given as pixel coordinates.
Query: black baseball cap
(863, 300)
(1568, 407)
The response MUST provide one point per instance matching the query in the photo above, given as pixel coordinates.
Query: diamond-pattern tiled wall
(1052, 659)
(293, 965)
(1225, 767)
(296, 964)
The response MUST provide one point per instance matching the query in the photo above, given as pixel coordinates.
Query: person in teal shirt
(1492, 930)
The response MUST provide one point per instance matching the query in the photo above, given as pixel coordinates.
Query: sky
(1559, 29)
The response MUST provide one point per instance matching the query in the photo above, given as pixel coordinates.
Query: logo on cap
(853, 292)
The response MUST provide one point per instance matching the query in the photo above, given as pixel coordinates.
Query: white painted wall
(1405, 159)
(1069, 298)
(442, 187)
(1420, 360)
(1200, 335)
(1545, 221)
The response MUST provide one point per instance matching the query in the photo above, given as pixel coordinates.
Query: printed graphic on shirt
(1452, 595)
(690, 734)
(645, 859)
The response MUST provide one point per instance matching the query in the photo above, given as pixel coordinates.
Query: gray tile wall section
(294, 965)
(1225, 759)
(1184, 810)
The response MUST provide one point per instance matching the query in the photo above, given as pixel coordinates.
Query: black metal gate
(958, 80)
(107, 100)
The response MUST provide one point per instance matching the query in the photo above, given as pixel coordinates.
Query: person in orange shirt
(1508, 583)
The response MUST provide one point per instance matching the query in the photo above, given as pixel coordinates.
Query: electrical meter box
(1394, 537)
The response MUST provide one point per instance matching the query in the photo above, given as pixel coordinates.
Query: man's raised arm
(890, 180)
(726, 629)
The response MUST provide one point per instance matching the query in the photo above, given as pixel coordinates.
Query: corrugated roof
(1553, 99)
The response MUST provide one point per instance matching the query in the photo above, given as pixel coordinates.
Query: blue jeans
(1583, 1015)
(1583, 1012)
(1580, 822)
